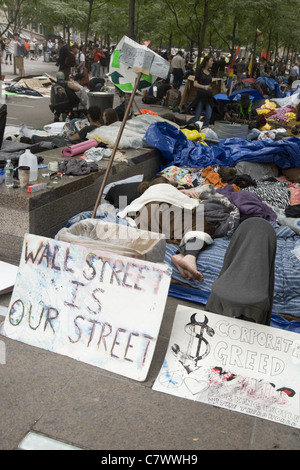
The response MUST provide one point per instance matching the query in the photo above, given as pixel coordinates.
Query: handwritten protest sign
(97, 307)
(234, 364)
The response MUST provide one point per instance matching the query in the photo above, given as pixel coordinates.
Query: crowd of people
(183, 64)
(212, 66)
(32, 49)
(84, 67)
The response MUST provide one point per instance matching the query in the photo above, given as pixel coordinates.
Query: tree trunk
(233, 40)
(254, 52)
(91, 3)
(170, 43)
(203, 29)
(269, 45)
(131, 31)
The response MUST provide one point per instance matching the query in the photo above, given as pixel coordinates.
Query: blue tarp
(278, 321)
(252, 92)
(272, 84)
(176, 149)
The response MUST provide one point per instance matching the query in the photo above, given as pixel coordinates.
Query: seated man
(242, 110)
(94, 116)
(173, 97)
(64, 97)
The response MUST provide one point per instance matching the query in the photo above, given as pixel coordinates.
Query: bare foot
(187, 267)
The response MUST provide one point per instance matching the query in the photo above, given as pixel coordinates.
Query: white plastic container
(29, 159)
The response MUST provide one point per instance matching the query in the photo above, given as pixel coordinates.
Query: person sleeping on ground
(176, 213)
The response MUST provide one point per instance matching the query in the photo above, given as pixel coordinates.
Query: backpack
(73, 97)
(24, 50)
(70, 60)
(104, 61)
(149, 99)
(62, 98)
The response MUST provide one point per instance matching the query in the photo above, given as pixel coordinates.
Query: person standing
(2, 48)
(241, 68)
(63, 54)
(204, 99)
(98, 54)
(41, 48)
(9, 50)
(19, 54)
(32, 50)
(80, 59)
(294, 74)
(178, 68)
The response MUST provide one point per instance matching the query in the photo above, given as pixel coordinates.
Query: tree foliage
(215, 24)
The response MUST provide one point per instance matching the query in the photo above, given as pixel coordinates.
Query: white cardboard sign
(8, 274)
(233, 364)
(97, 307)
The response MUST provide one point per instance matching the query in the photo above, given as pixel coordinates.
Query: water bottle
(9, 174)
(29, 159)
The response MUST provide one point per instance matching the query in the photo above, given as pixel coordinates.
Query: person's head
(60, 76)
(80, 78)
(207, 61)
(110, 116)
(94, 114)
(16, 35)
(161, 178)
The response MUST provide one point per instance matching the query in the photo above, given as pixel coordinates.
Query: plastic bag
(116, 238)
(194, 135)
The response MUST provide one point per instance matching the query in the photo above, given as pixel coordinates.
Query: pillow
(127, 191)
(256, 170)
(130, 179)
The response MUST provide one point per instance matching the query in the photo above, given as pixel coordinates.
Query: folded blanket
(249, 204)
(160, 193)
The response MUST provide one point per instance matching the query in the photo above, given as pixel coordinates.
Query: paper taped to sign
(129, 56)
(97, 307)
(233, 364)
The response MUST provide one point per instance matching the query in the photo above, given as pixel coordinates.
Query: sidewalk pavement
(63, 403)
(32, 67)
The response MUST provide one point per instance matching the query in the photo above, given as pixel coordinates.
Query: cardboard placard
(141, 58)
(233, 364)
(8, 274)
(97, 307)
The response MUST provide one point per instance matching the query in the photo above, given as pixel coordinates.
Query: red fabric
(98, 54)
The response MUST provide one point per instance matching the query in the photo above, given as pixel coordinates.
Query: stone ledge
(46, 212)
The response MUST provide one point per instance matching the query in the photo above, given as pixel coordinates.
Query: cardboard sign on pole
(233, 364)
(97, 307)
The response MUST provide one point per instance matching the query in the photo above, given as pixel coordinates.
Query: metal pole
(116, 144)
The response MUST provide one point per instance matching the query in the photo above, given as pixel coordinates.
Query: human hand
(190, 193)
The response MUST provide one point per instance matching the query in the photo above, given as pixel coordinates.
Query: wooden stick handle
(113, 153)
